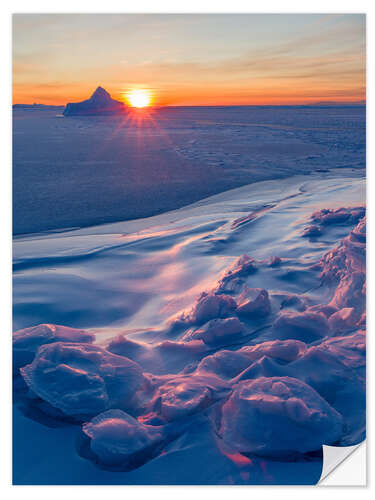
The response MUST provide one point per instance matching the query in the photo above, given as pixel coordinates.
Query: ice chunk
(228, 364)
(324, 366)
(294, 302)
(343, 320)
(350, 350)
(82, 379)
(312, 231)
(241, 268)
(336, 370)
(184, 396)
(327, 310)
(275, 261)
(232, 286)
(284, 350)
(211, 306)
(27, 341)
(123, 346)
(307, 326)
(118, 439)
(219, 331)
(160, 358)
(225, 364)
(254, 302)
(328, 216)
(343, 270)
(184, 399)
(278, 417)
(359, 232)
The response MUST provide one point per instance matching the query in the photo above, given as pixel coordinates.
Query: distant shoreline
(40, 106)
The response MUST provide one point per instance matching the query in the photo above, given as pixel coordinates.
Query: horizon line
(360, 102)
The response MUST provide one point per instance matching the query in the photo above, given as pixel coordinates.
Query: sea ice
(219, 331)
(284, 350)
(98, 104)
(311, 231)
(343, 320)
(118, 439)
(161, 358)
(241, 267)
(328, 216)
(82, 379)
(347, 258)
(336, 370)
(278, 417)
(123, 346)
(349, 350)
(210, 306)
(186, 395)
(327, 310)
(275, 261)
(229, 364)
(142, 285)
(27, 341)
(332, 217)
(225, 364)
(344, 270)
(254, 302)
(294, 302)
(306, 326)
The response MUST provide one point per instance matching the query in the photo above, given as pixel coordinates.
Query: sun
(138, 98)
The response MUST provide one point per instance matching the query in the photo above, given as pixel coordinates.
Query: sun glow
(138, 98)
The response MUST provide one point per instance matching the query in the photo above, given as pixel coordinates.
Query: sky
(187, 59)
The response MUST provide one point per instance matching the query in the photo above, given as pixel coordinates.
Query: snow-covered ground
(219, 343)
(80, 171)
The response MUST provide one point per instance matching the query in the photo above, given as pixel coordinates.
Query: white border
(154, 492)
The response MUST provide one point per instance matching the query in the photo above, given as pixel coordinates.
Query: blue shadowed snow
(227, 332)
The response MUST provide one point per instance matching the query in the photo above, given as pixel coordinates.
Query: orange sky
(190, 59)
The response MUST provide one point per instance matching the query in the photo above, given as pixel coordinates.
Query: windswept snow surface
(221, 343)
(77, 171)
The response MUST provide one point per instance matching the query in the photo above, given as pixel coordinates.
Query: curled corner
(355, 470)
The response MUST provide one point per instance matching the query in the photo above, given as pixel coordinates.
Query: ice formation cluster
(275, 374)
